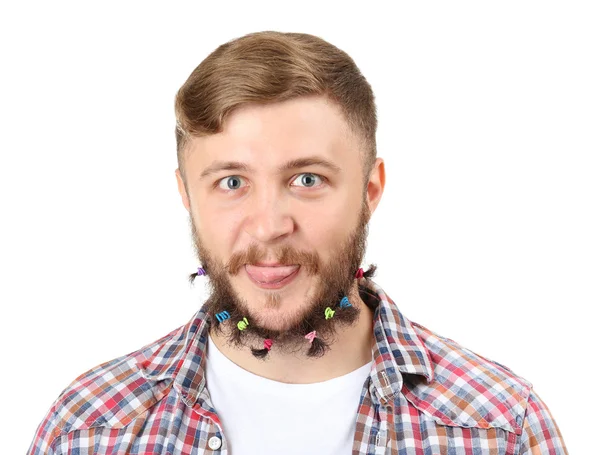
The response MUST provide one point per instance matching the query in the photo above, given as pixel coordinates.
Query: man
(296, 350)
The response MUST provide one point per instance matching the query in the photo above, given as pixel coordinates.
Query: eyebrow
(217, 166)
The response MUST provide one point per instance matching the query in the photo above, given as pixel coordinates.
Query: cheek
(325, 228)
(218, 227)
(332, 229)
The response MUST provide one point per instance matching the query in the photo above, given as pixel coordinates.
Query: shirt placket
(212, 438)
(380, 445)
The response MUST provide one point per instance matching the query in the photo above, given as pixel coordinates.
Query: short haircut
(270, 67)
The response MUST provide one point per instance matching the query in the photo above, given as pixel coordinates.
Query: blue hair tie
(222, 316)
(345, 303)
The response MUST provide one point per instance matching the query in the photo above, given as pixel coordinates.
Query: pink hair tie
(268, 344)
(359, 273)
(311, 336)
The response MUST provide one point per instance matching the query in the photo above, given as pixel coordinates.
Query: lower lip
(279, 284)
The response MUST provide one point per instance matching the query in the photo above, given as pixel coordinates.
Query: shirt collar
(397, 350)
(182, 358)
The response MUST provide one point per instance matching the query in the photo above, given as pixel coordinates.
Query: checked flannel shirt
(425, 395)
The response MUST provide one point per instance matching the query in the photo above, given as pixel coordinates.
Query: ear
(376, 184)
(182, 190)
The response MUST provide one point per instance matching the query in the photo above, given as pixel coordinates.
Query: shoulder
(113, 393)
(468, 389)
(121, 391)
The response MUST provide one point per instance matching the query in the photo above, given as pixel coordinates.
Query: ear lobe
(182, 190)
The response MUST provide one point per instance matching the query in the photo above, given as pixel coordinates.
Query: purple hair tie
(201, 271)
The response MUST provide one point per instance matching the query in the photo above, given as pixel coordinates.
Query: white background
(487, 232)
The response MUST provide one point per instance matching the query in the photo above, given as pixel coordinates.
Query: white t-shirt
(263, 417)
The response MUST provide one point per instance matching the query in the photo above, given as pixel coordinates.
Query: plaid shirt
(426, 394)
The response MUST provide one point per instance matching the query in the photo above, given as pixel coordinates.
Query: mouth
(272, 276)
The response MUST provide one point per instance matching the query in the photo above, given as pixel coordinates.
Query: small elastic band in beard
(370, 272)
(201, 272)
(262, 353)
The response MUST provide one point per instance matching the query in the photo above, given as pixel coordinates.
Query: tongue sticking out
(270, 274)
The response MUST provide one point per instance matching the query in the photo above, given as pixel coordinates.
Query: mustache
(286, 255)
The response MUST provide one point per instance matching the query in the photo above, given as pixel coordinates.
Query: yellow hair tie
(329, 313)
(242, 324)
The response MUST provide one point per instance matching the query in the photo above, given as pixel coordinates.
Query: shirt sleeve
(45, 435)
(541, 435)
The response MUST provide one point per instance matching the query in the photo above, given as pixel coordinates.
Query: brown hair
(268, 67)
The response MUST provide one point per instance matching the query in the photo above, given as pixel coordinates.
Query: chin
(277, 319)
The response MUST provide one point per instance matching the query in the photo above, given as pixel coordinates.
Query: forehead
(269, 134)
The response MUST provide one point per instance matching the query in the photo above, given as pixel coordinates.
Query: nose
(268, 218)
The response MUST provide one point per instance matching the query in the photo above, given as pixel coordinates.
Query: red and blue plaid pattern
(426, 395)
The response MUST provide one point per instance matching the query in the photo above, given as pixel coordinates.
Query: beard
(335, 280)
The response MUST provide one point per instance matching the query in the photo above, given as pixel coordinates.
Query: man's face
(277, 209)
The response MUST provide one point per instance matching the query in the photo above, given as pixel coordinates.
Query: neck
(351, 349)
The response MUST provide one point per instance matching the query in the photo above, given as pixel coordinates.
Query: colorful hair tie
(201, 271)
(359, 273)
(345, 303)
(329, 313)
(262, 353)
(242, 324)
(222, 316)
(311, 336)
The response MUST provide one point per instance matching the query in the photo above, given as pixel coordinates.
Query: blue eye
(233, 182)
(309, 180)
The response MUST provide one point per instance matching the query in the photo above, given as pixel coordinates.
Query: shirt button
(214, 443)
